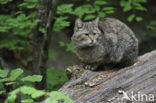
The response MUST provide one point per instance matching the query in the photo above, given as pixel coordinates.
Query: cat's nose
(91, 37)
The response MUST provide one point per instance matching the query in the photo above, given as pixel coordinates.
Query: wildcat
(104, 41)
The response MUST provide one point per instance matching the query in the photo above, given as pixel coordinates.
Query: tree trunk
(133, 84)
(46, 11)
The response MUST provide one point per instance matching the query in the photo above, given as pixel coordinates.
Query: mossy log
(133, 84)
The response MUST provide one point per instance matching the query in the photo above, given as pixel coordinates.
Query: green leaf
(12, 98)
(3, 73)
(61, 44)
(70, 47)
(37, 94)
(100, 2)
(101, 14)
(141, 8)
(10, 83)
(65, 8)
(32, 91)
(5, 1)
(29, 4)
(32, 15)
(108, 8)
(12, 95)
(153, 22)
(97, 8)
(55, 96)
(52, 55)
(138, 19)
(109, 12)
(2, 92)
(131, 17)
(126, 5)
(18, 12)
(27, 101)
(150, 27)
(29, 59)
(33, 78)
(80, 11)
(42, 30)
(15, 74)
(61, 23)
(127, 8)
(89, 17)
(57, 76)
(27, 90)
(15, 91)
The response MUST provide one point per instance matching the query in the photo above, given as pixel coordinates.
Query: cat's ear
(96, 21)
(78, 23)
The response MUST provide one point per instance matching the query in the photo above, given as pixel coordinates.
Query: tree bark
(133, 84)
(46, 11)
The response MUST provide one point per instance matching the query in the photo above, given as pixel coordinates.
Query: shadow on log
(133, 84)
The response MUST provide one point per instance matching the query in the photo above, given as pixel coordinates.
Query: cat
(104, 41)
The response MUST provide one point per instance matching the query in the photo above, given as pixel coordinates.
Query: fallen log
(133, 84)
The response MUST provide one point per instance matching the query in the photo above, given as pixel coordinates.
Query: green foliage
(17, 28)
(139, 19)
(27, 101)
(132, 5)
(65, 8)
(61, 44)
(3, 73)
(42, 30)
(15, 78)
(131, 17)
(100, 2)
(5, 1)
(33, 78)
(26, 90)
(52, 55)
(54, 76)
(2, 92)
(101, 8)
(33, 93)
(17, 25)
(152, 25)
(55, 96)
(55, 79)
(13, 75)
(61, 23)
(88, 17)
(30, 4)
(69, 46)
(29, 59)
(86, 11)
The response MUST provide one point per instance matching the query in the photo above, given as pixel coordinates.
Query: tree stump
(133, 84)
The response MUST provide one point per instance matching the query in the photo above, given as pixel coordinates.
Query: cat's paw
(90, 67)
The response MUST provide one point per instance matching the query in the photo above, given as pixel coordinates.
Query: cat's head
(86, 34)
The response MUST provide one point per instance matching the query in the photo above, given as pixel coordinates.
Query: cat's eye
(94, 33)
(86, 34)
